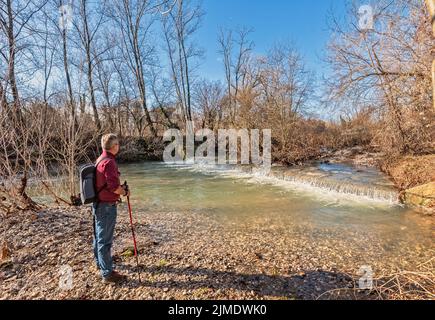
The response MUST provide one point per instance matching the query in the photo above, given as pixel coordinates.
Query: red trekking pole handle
(132, 230)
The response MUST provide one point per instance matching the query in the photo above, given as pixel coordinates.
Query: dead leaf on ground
(5, 251)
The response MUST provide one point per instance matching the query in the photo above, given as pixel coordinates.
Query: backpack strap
(98, 163)
(96, 166)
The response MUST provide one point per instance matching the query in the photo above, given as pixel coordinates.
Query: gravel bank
(187, 256)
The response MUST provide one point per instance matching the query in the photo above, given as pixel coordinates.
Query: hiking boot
(114, 277)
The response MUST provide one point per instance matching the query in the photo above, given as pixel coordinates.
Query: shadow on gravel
(305, 285)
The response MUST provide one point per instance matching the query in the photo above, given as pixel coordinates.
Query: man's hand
(126, 191)
(123, 191)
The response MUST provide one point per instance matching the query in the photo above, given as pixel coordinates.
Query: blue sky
(304, 22)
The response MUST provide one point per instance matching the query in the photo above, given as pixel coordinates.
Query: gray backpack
(88, 192)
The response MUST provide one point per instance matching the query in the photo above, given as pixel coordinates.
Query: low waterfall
(343, 180)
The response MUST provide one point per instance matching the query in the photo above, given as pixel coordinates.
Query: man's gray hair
(108, 141)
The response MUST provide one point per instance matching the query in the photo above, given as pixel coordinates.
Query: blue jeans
(104, 228)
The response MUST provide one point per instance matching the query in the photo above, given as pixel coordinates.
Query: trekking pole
(132, 231)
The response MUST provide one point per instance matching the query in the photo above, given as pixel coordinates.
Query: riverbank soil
(410, 172)
(415, 176)
(191, 256)
(357, 156)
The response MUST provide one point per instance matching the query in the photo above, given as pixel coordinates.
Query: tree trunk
(119, 120)
(87, 44)
(431, 8)
(68, 78)
(138, 63)
(11, 67)
(82, 105)
(3, 101)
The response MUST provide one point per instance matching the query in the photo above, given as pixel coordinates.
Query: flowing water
(350, 213)
(337, 198)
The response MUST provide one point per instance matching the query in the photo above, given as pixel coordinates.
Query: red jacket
(107, 178)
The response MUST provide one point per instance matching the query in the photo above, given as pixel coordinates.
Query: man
(109, 191)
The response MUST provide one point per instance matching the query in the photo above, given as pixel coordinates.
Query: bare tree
(431, 8)
(15, 164)
(162, 93)
(134, 22)
(386, 67)
(87, 35)
(236, 49)
(9, 26)
(15, 17)
(178, 27)
(63, 31)
(287, 87)
(210, 97)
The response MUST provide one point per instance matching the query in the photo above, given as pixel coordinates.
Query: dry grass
(411, 171)
(412, 285)
(399, 285)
